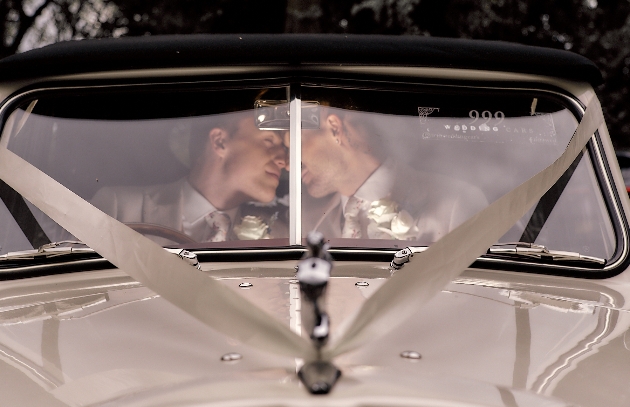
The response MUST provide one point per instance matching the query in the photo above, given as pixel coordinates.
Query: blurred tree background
(597, 29)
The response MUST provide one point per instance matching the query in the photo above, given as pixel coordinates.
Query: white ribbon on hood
(188, 288)
(431, 270)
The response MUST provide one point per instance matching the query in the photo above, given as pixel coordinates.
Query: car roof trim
(187, 51)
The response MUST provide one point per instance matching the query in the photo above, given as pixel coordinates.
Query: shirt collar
(196, 206)
(378, 185)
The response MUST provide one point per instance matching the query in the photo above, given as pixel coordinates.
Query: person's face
(254, 161)
(323, 165)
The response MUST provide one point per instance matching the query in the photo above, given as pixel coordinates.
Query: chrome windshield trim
(613, 197)
(39, 269)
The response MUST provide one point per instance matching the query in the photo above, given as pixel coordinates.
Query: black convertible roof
(175, 51)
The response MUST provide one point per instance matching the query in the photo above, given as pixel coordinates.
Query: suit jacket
(437, 204)
(164, 205)
(157, 204)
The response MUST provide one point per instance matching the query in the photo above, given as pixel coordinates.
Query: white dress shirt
(378, 185)
(195, 208)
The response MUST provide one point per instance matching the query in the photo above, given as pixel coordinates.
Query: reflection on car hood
(489, 339)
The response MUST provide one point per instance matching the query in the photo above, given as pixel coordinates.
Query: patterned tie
(352, 225)
(219, 224)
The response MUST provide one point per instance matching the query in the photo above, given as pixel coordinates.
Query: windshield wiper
(539, 252)
(517, 250)
(53, 249)
(65, 247)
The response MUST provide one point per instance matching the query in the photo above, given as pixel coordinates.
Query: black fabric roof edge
(177, 51)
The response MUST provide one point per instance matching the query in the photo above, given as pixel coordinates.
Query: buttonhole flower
(389, 222)
(252, 228)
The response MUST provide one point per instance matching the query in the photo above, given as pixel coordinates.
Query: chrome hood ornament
(313, 273)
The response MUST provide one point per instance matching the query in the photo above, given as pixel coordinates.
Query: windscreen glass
(209, 168)
(393, 168)
(184, 167)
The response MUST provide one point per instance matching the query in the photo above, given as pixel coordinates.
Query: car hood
(488, 339)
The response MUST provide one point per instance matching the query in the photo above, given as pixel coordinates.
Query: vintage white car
(295, 220)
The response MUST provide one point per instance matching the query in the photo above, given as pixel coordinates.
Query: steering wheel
(160, 231)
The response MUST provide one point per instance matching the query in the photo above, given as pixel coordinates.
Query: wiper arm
(540, 252)
(510, 250)
(401, 257)
(49, 250)
(64, 247)
(58, 246)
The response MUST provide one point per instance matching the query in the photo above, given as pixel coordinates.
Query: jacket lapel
(163, 206)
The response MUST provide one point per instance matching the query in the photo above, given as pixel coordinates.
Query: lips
(274, 174)
(306, 176)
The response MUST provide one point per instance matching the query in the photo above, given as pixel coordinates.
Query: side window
(11, 236)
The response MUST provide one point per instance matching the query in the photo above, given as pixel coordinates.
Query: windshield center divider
(295, 157)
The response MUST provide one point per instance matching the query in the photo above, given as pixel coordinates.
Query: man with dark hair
(356, 191)
(236, 163)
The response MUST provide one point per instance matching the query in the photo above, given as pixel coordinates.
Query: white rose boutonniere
(389, 222)
(403, 226)
(382, 211)
(252, 228)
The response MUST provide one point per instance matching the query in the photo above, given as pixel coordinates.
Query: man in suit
(234, 163)
(355, 191)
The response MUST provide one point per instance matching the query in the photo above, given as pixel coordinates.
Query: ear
(335, 124)
(217, 139)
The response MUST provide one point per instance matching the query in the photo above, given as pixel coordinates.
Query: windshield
(205, 168)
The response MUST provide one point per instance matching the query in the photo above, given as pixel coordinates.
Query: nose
(281, 157)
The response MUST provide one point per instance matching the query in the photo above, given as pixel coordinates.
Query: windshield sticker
(491, 126)
(424, 112)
